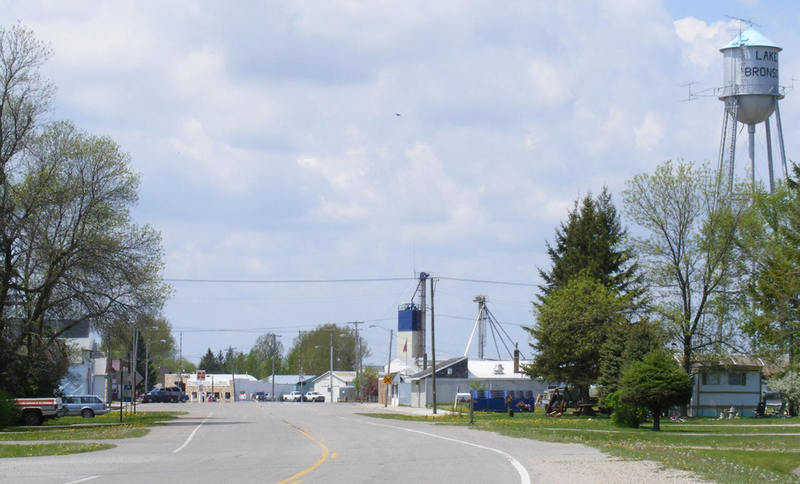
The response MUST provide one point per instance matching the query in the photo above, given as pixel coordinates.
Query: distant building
(219, 385)
(343, 386)
(285, 384)
(454, 376)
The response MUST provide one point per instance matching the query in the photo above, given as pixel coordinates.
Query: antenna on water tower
(751, 94)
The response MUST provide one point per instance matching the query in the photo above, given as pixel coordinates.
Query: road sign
(201, 375)
(387, 379)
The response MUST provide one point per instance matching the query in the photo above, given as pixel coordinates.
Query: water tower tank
(751, 75)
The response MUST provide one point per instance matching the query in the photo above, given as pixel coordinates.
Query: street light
(388, 363)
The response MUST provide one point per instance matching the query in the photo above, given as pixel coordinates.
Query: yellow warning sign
(387, 379)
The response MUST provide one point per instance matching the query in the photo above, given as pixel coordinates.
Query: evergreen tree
(592, 242)
(625, 343)
(656, 383)
(592, 286)
(211, 363)
(572, 323)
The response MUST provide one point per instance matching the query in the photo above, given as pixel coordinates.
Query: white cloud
(270, 148)
(230, 168)
(549, 84)
(650, 132)
(700, 42)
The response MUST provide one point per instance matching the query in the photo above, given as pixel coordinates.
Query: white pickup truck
(295, 396)
(33, 411)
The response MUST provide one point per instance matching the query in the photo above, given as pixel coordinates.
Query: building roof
(343, 376)
(288, 379)
(403, 365)
(441, 365)
(496, 369)
(730, 361)
(750, 38)
(217, 378)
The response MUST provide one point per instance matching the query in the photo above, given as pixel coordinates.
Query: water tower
(751, 94)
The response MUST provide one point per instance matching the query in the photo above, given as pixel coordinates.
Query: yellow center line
(323, 457)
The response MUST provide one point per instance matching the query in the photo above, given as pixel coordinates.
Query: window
(711, 378)
(737, 378)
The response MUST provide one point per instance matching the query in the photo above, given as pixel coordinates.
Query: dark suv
(155, 395)
(176, 395)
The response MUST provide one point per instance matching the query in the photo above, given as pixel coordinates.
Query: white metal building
(342, 385)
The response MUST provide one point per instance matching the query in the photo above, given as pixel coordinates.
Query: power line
(290, 281)
(484, 281)
(334, 281)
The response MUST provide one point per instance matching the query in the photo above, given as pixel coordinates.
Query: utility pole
(358, 361)
(433, 350)
(388, 370)
(180, 361)
(133, 372)
(422, 277)
(274, 350)
(331, 372)
(146, 364)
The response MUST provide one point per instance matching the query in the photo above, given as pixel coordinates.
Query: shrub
(624, 414)
(656, 383)
(9, 414)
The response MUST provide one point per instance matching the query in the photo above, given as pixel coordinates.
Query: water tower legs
(727, 145)
(751, 153)
(780, 140)
(769, 156)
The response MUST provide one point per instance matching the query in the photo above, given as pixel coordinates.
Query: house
(343, 386)
(461, 374)
(732, 381)
(88, 368)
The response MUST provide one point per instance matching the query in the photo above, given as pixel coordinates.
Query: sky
(307, 141)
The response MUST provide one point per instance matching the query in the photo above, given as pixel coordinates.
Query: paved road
(313, 442)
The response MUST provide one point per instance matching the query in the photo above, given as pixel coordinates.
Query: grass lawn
(727, 451)
(101, 427)
(33, 450)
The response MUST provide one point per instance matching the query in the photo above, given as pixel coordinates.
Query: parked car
(314, 397)
(261, 397)
(156, 395)
(295, 396)
(176, 395)
(87, 406)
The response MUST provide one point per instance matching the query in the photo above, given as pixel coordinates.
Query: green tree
(572, 323)
(656, 382)
(593, 285)
(234, 361)
(265, 352)
(689, 252)
(774, 244)
(366, 383)
(625, 343)
(592, 243)
(310, 352)
(76, 255)
(211, 363)
(155, 347)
